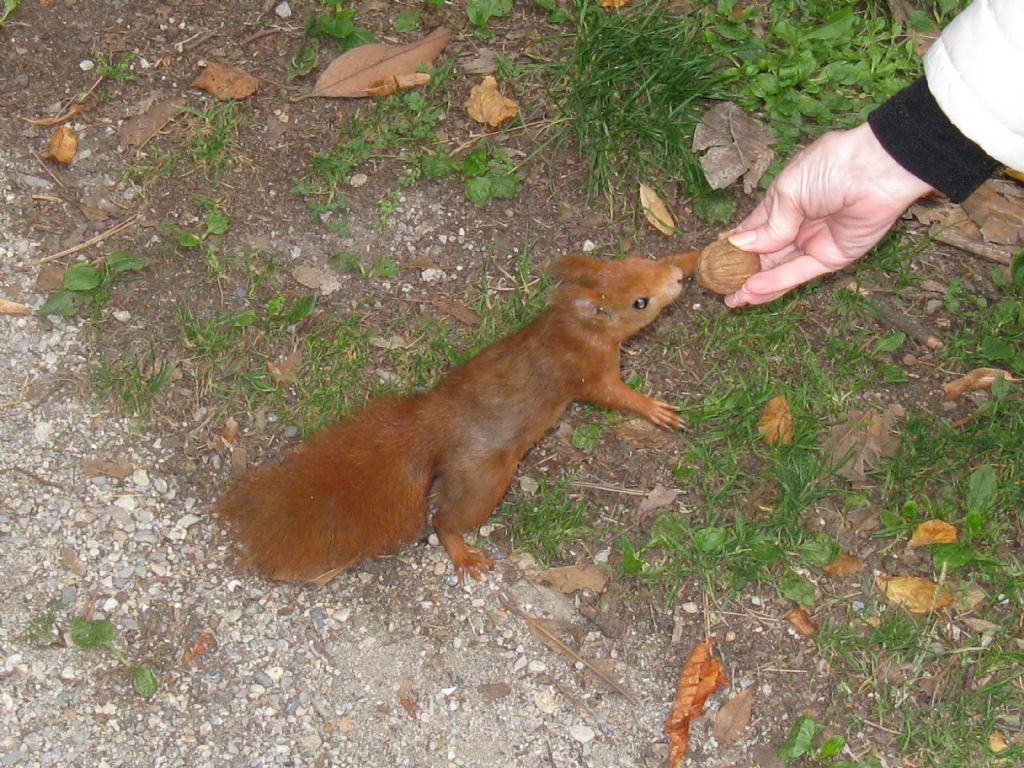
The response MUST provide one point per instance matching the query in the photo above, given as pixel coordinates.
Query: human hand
(825, 210)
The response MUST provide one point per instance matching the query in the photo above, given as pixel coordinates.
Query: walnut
(722, 267)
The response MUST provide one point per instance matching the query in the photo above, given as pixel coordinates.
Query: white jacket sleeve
(975, 72)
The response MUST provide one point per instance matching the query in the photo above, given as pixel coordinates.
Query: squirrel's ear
(581, 301)
(576, 269)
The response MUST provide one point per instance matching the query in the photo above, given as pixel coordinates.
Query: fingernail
(743, 239)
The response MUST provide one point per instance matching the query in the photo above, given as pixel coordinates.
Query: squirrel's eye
(641, 303)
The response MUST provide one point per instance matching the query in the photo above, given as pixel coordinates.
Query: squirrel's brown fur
(360, 488)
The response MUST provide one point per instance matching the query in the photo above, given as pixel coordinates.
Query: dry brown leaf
(656, 212)
(116, 468)
(843, 565)
(776, 423)
(230, 431)
(857, 444)
(802, 622)
(488, 106)
(63, 145)
(13, 308)
(573, 578)
(734, 716)
(322, 280)
(204, 641)
(386, 86)
(659, 498)
(70, 560)
(1001, 220)
(351, 73)
(288, 368)
(612, 3)
(736, 144)
(979, 378)
(226, 83)
(700, 675)
(454, 309)
(933, 532)
(138, 130)
(981, 626)
(914, 593)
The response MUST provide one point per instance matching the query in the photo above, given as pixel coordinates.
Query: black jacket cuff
(916, 132)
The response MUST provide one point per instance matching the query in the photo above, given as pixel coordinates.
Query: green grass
(629, 90)
(132, 382)
(211, 145)
(547, 523)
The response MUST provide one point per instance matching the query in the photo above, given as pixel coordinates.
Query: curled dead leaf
(487, 105)
(395, 83)
(801, 622)
(776, 423)
(349, 75)
(63, 145)
(226, 83)
(843, 565)
(914, 593)
(700, 676)
(656, 212)
(979, 378)
(933, 532)
(13, 308)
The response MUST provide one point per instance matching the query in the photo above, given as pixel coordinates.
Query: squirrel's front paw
(664, 415)
(475, 562)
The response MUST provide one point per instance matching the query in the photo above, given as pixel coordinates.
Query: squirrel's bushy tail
(356, 490)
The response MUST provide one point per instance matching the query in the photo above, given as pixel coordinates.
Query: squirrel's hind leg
(468, 490)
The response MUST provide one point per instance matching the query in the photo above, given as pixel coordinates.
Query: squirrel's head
(624, 295)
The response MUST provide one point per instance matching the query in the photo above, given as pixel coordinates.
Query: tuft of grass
(212, 141)
(133, 382)
(546, 523)
(629, 92)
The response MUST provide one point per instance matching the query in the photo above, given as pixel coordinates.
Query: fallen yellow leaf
(487, 105)
(63, 145)
(656, 212)
(915, 594)
(612, 3)
(801, 622)
(933, 532)
(385, 86)
(776, 422)
(996, 742)
(843, 565)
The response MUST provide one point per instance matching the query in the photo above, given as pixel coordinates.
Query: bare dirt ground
(393, 663)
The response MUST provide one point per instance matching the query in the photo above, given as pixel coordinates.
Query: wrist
(913, 129)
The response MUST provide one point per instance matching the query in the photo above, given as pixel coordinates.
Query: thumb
(778, 228)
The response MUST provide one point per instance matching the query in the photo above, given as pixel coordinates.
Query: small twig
(258, 35)
(974, 247)
(609, 488)
(883, 728)
(37, 478)
(556, 642)
(892, 315)
(45, 168)
(91, 241)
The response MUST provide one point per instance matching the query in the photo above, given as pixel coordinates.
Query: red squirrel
(360, 488)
